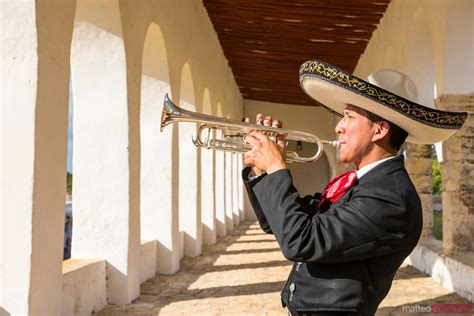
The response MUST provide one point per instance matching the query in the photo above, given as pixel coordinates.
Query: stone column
(208, 215)
(418, 164)
(229, 213)
(240, 186)
(35, 40)
(235, 189)
(220, 193)
(457, 172)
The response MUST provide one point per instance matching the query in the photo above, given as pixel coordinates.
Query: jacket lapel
(385, 168)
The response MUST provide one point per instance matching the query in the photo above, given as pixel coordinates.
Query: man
(348, 242)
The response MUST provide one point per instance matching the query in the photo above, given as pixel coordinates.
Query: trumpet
(234, 132)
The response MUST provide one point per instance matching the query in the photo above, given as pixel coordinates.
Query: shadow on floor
(445, 305)
(162, 290)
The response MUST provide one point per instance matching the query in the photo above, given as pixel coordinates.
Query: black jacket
(346, 253)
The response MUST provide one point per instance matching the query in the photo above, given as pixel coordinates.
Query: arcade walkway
(243, 274)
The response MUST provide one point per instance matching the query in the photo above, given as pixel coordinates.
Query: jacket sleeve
(373, 222)
(308, 202)
(249, 184)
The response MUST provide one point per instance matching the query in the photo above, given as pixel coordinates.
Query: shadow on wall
(167, 261)
(309, 177)
(67, 231)
(4, 312)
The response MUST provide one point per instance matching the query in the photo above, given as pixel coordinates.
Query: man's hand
(265, 155)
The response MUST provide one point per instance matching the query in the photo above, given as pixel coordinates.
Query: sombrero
(388, 94)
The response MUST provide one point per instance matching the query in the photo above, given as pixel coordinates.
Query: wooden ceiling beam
(266, 41)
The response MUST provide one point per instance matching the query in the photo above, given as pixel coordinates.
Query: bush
(438, 225)
(69, 183)
(436, 174)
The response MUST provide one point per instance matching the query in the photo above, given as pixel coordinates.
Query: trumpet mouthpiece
(333, 143)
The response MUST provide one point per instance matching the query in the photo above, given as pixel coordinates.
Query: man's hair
(396, 136)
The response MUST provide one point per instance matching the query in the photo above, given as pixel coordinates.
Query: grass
(438, 225)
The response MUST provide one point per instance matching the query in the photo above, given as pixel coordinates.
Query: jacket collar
(385, 168)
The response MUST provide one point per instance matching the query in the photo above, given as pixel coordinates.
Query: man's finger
(267, 121)
(258, 136)
(251, 139)
(277, 123)
(281, 140)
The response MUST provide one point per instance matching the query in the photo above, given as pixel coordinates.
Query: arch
(207, 183)
(189, 211)
(106, 193)
(220, 183)
(36, 38)
(156, 163)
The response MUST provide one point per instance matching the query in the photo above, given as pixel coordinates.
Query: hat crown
(396, 82)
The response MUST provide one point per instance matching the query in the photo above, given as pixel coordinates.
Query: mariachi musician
(348, 241)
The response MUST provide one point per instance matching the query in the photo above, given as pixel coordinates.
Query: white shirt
(362, 171)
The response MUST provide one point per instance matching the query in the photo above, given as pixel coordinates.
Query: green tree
(69, 183)
(436, 174)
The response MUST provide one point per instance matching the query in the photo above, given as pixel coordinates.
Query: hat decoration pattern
(420, 113)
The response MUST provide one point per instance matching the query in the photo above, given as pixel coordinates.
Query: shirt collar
(362, 171)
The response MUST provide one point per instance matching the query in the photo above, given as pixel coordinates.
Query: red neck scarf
(338, 186)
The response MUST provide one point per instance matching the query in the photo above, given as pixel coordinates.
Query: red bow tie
(338, 186)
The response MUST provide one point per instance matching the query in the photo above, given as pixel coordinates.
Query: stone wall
(458, 178)
(418, 164)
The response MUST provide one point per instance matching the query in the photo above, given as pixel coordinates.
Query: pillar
(36, 39)
(418, 164)
(457, 170)
(229, 212)
(106, 183)
(240, 187)
(158, 216)
(235, 188)
(190, 224)
(208, 197)
(220, 192)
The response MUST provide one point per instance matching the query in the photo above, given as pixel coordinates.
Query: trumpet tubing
(233, 132)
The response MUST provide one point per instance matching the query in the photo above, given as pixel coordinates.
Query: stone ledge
(84, 289)
(147, 259)
(453, 272)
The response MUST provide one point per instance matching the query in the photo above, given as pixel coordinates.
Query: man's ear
(382, 129)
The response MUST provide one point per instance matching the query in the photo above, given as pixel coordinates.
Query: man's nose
(338, 128)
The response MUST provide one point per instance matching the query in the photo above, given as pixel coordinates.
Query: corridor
(243, 274)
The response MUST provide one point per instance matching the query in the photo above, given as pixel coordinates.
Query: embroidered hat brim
(335, 88)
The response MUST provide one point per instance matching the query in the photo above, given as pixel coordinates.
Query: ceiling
(266, 41)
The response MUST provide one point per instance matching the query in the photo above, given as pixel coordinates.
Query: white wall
(432, 41)
(35, 40)
(109, 38)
